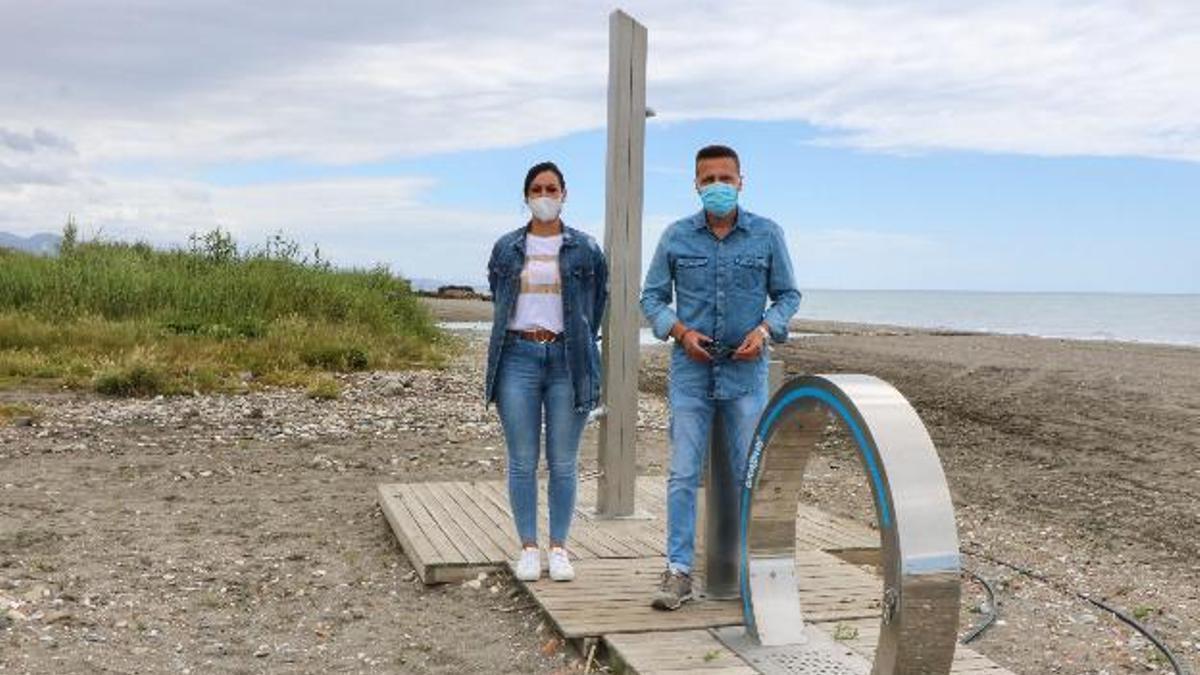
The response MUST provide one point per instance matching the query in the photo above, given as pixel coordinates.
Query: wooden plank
(419, 550)
(588, 537)
(474, 525)
(603, 538)
(499, 518)
(447, 553)
(582, 544)
(612, 498)
(633, 218)
(496, 494)
(623, 213)
(645, 536)
(612, 596)
(673, 652)
(498, 541)
(603, 535)
(482, 509)
(462, 538)
(619, 546)
(433, 555)
(833, 532)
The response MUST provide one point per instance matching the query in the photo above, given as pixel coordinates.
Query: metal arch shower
(919, 541)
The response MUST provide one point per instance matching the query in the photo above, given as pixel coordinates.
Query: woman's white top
(539, 304)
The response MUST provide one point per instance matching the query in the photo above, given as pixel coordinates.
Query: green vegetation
(844, 631)
(10, 412)
(1140, 613)
(131, 320)
(324, 389)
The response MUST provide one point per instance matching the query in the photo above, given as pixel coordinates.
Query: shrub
(325, 389)
(136, 380)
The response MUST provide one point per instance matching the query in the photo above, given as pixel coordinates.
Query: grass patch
(324, 389)
(15, 411)
(138, 379)
(844, 631)
(131, 320)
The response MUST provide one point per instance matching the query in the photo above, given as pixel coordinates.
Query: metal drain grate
(820, 655)
(788, 660)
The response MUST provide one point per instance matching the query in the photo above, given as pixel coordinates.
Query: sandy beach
(239, 533)
(1073, 459)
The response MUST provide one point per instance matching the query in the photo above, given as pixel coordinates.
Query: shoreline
(458, 310)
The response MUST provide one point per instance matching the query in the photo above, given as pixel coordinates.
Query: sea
(1172, 319)
(1124, 317)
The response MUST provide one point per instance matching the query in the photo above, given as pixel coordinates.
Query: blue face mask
(719, 198)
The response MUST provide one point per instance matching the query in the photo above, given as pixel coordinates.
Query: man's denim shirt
(720, 288)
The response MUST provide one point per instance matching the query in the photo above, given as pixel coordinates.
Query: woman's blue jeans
(532, 385)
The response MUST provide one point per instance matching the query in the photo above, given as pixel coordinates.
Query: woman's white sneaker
(529, 567)
(560, 565)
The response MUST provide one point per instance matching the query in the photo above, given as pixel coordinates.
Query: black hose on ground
(991, 617)
(1129, 620)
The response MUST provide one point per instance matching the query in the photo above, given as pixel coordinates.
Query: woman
(549, 288)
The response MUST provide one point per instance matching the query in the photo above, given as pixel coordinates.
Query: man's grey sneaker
(674, 590)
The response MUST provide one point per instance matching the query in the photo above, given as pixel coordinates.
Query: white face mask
(545, 209)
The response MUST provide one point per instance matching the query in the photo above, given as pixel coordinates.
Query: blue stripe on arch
(860, 438)
(885, 515)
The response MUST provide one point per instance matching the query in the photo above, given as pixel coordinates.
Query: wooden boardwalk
(452, 531)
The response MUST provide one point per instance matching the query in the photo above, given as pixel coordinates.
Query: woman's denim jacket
(584, 292)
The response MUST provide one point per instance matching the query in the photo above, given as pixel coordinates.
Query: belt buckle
(545, 341)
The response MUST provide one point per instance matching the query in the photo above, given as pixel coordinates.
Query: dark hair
(541, 167)
(717, 151)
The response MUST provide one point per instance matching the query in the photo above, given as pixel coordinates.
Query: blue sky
(855, 218)
(1017, 145)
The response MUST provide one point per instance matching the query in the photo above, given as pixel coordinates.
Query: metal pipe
(722, 499)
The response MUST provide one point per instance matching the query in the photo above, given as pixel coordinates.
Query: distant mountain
(41, 244)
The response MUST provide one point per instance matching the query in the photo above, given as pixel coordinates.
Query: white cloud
(39, 139)
(212, 81)
(84, 85)
(358, 222)
(1028, 77)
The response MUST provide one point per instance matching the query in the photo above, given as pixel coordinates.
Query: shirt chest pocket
(750, 272)
(577, 278)
(691, 272)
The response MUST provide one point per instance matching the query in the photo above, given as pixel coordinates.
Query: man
(721, 265)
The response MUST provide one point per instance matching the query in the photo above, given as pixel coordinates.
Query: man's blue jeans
(533, 384)
(691, 426)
